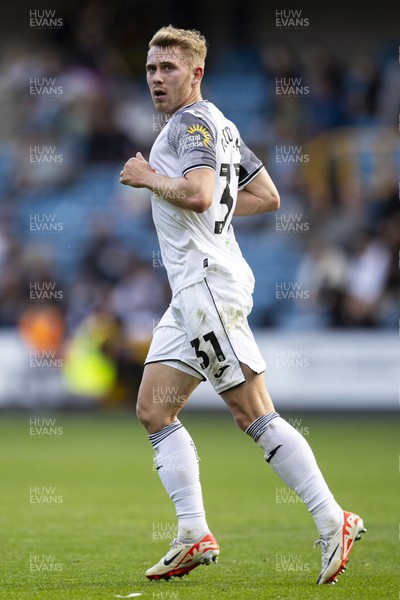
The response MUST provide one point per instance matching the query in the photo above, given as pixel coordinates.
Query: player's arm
(193, 191)
(258, 196)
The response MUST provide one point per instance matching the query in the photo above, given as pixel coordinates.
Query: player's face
(172, 81)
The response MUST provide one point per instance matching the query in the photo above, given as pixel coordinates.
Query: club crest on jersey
(201, 132)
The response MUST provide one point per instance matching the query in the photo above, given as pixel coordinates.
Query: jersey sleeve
(193, 139)
(250, 165)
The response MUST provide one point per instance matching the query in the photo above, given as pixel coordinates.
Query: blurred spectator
(89, 369)
(359, 90)
(388, 310)
(27, 279)
(43, 328)
(388, 90)
(105, 143)
(105, 257)
(322, 272)
(366, 278)
(139, 300)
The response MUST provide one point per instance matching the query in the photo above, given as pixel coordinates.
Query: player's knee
(141, 415)
(144, 412)
(151, 417)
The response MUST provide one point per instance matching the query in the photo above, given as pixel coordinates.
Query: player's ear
(198, 73)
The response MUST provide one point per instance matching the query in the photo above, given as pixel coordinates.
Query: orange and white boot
(337, 547)
(185, 556)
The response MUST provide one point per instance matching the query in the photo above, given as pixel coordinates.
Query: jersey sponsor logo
(199, 134)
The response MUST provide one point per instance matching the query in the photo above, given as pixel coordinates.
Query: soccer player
(201, 173)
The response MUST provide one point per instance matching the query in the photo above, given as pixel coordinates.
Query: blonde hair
(191, 41)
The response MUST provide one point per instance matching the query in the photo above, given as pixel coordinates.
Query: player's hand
(135, 171)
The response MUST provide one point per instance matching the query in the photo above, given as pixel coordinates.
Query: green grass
(101, 535)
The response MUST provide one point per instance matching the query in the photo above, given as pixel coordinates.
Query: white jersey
(199, 136)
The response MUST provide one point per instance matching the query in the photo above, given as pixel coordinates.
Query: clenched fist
(135, 171)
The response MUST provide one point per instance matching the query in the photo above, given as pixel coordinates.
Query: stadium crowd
(74, 107)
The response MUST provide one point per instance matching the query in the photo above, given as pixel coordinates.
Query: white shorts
(205, 333)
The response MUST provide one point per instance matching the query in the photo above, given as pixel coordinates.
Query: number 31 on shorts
(203, 356)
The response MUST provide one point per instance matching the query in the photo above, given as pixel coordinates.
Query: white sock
(177, 464)
(292, 459)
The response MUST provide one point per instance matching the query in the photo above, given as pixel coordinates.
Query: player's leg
(285, 449)
(249, 400)
(292, 459)
(163, 393)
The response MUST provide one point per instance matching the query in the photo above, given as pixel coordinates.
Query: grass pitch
(83, 514)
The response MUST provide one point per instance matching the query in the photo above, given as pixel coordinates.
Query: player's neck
(191, 100)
